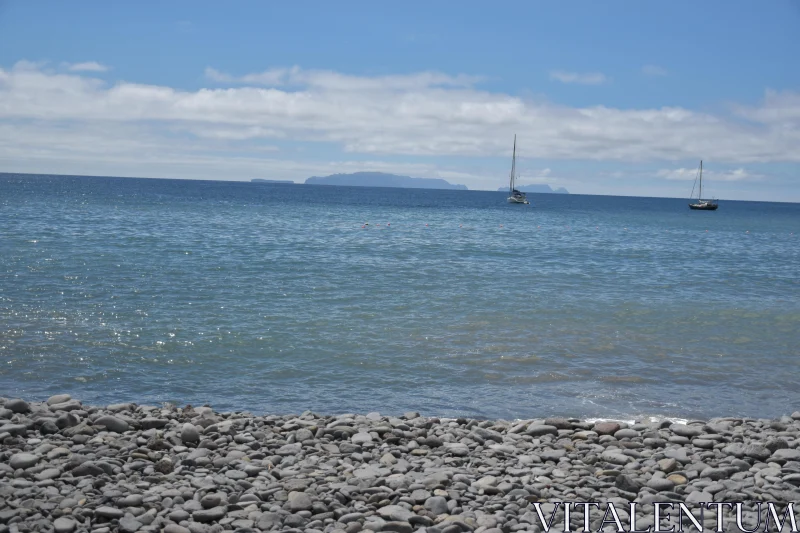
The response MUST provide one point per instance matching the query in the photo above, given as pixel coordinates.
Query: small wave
(651, 419)
(623, 379)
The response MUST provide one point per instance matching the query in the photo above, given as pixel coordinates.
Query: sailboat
(704, 205)
(516, 197)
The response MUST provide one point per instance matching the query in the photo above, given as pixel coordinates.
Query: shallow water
(279, 298)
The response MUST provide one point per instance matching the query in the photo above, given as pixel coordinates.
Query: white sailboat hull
(517, 200)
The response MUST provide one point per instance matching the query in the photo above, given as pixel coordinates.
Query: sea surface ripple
(282, 298)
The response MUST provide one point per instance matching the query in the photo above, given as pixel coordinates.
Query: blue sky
(606, 98)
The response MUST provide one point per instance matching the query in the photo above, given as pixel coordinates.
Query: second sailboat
(516, 197)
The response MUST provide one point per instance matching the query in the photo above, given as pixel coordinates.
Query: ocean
(277, 298)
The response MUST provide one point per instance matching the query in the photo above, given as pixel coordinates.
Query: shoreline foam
(67, 467)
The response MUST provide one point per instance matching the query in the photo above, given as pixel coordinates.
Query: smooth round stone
(209, 515)
(109, 512)
(668, 465)
(756, 451)
(189, 433)
(112, 423)
(395, 513)
(678, 439)
(236, 474)
(677, 479)
(458, 449)
(486, 481)
(174, 528)
(64, 525)
(398, 526)
(538, 430)
(703, 443)
(132, 500)
(616, 458)
(303, 434)
(179, 515)
(626, 434)
(661, 484)
(299, 501)
(436, 505)
(153, 423)
(361, 438)
(606, 428)
(420, 495)
(786, 454)
(699, 496)
(686, 431)
(211, 500)
(17, 406)
(48, 473)
(23, 460)
(58, 398)
(128, 524)
(552, 455)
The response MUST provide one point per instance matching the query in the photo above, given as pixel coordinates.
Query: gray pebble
(189, 433)
(17, 406)
(112, 423)
(64, 525)
(58, 398)
(23, 460)
(109, 512)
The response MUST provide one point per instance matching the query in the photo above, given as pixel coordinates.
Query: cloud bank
(64, 116)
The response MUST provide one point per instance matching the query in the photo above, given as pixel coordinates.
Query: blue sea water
(281, 298)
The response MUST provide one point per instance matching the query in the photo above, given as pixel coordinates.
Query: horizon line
(4, 173)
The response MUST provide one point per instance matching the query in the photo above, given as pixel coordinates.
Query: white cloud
(535, 175)
(654, 70)
(89, 66)
(778, 108)
(54, 118)
(589, 78)
(689, 174)
(132, 151)
(334, 81)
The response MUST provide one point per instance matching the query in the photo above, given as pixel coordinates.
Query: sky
(620, 98)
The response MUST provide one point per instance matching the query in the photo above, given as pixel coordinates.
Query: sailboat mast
(513, 165)
(701, 180)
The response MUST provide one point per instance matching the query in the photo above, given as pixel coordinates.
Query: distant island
(381, 179)
(540, 187)
(259, 180)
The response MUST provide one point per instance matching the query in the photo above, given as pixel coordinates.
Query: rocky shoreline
(68, 467)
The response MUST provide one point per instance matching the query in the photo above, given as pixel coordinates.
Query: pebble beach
(69, 467)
